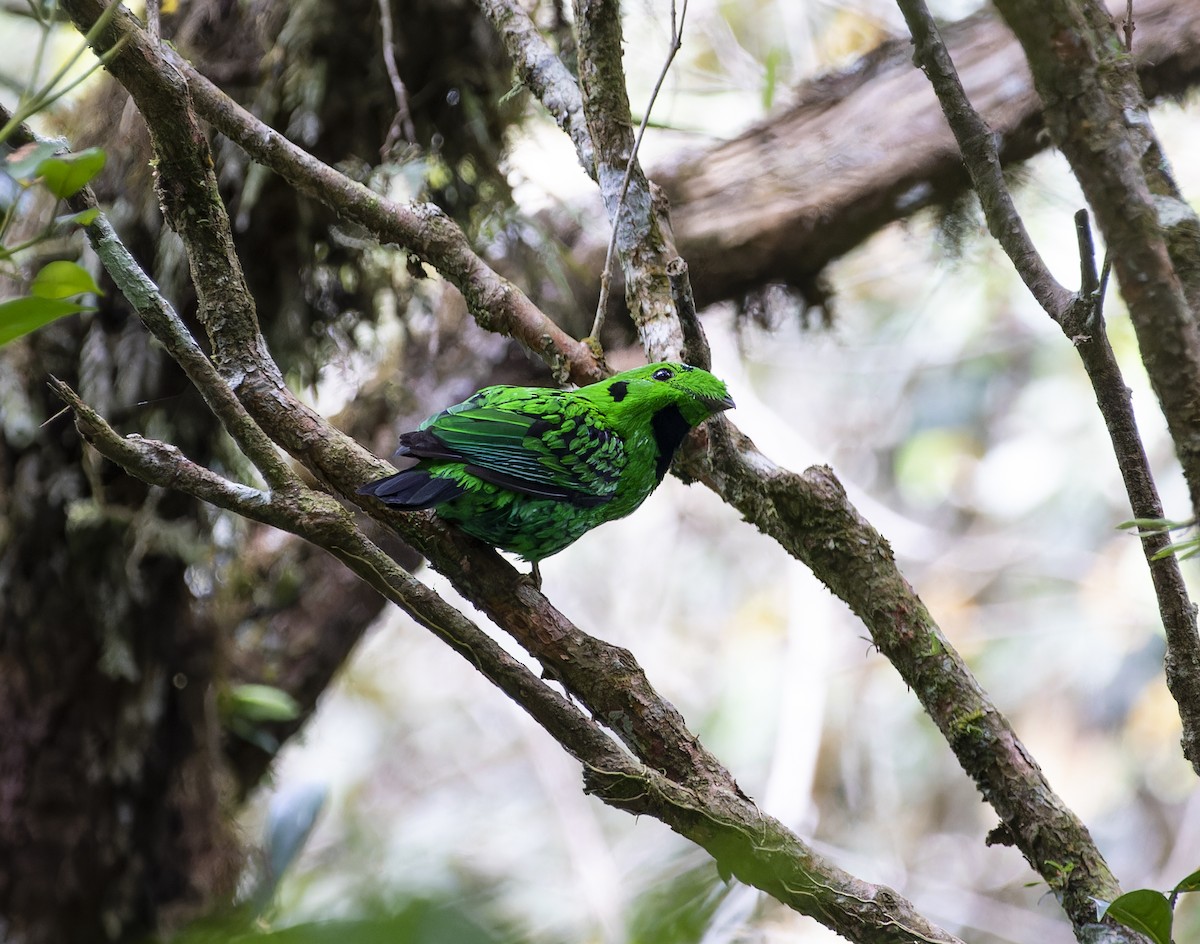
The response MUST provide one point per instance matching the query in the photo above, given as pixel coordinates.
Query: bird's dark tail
(412, 490)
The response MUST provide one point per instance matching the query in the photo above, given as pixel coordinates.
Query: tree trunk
(117, 782)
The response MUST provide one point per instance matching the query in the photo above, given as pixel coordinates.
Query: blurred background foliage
(962, 426)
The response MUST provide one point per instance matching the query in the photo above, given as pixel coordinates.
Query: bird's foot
(532, 579)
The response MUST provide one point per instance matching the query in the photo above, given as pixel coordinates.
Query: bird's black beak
(717, 406)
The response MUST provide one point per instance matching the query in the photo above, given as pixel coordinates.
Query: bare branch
(1081, 319)
(695, 344)
(810, 516)
(1094, 105)
(543, 73)
(422, 229)
(1085, 326)
(163, 464)
(402, 125)
(982, 159)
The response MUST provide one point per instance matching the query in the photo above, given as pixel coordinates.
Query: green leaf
(1154, 525)
(261, 703)
(83, 217)
(1144, 910)
(1177, 548)
(22, 163)
(770, 77)
(22, 315)
(1189, 884)
(70, 173)
(63, 279)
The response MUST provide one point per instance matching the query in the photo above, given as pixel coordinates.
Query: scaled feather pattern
(532, 469)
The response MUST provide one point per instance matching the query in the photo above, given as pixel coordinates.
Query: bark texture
(858, 150)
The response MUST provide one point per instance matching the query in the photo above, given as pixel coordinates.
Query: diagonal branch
(1094, 106)
(421, 229)
(543, 73)
(1081, 319)
(810, 516)
(982, 159)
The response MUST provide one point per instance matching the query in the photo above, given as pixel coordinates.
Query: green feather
(532, 469)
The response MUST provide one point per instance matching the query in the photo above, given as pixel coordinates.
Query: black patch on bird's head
(669, 429)
(618, 390)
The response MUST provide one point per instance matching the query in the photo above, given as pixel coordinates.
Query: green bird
(533, 469)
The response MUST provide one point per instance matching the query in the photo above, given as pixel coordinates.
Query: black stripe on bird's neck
(669, 428)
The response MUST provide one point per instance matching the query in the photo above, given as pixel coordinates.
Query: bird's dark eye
(664, 373)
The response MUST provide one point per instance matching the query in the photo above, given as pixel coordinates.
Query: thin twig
(402, 124)
(606, 273)
(1178, 613)
(982, 160)
(1094, 105)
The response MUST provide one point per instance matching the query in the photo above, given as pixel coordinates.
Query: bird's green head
(696, 393)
